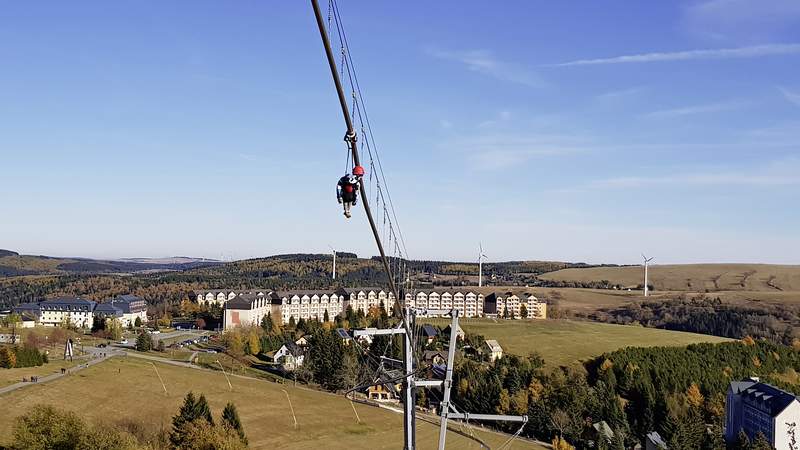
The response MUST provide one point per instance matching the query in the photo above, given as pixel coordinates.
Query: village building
(429, 333)
(290, 356)
(493, 349)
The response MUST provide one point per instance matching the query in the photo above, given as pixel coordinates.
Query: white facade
(246, 310)
(469, 304)
(310, 305)
(75, 311)
(535, 308)
(222, 296)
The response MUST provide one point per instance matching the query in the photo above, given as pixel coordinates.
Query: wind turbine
(334, 260)
(646, 260)
(481, 257)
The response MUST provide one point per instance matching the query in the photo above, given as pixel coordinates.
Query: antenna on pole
(646, 261)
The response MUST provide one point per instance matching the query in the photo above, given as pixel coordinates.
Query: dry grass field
(563, 342)
(128, 389)
(693, 277)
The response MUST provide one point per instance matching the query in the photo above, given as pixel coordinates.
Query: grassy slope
(561, 342)
(128, 388)
(693, 277)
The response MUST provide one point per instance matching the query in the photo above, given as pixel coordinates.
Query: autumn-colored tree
(560, 443)
(253, 342)
(8, 359)
(748, 340)
(694, 397)
(503, 403)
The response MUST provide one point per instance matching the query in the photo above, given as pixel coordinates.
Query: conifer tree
(230, 418)
(192, 409)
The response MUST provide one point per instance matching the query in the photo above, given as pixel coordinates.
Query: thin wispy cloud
(484, 62)
(793, 97)
(754, 51)
(741, 19)
(620, 94)
(695, 109)
(778, 173)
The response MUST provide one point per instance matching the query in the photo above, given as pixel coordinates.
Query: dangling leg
(347, 209)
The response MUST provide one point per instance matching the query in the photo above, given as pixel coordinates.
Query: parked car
(123, 342)
(211, 351)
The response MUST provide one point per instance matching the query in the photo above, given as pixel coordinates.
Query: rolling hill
(692, 277)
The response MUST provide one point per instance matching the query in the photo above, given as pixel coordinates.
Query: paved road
(97, 356)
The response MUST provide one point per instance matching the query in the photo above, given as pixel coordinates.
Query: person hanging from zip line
(347, 189)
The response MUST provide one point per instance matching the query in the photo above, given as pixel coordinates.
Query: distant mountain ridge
(13, 264)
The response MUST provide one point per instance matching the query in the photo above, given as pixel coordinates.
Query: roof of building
(244, 301)
(108, 309)
(60, 302)
(603, 429)
(656, 439)
(302, 292)
(343, 333)
(493, 345)
(766, 397)
(429, 331)
(28, 307)
(428, 355)
(293, 349)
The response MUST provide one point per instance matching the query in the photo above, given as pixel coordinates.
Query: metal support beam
(428, 383)
(492, 417)
(378, 332)
(409, 391)
(448, 379)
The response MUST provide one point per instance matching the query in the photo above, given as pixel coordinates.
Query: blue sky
(586, 131)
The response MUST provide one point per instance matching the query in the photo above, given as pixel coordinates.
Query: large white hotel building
(249, 307)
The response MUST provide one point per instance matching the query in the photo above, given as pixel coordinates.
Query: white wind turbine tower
(481, 257)
(333, 250)
(646, 261)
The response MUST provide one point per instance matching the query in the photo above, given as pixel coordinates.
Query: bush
(45, 428)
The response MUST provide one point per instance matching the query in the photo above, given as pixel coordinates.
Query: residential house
(654, 441)
(493, 349)
(290, 356)
(435, 357)
(460, 335)
(386, 386)
(756, 407)
(429, 333)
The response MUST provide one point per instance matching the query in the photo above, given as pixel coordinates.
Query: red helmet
(358, 171)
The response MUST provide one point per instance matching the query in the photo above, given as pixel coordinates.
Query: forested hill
(97, 280)
(12, 264)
